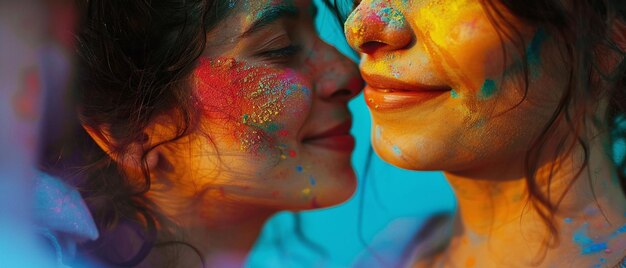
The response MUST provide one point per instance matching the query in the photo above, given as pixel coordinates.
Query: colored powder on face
(454, 94)
(568, 220)
(391, 17)
(396, 150)
(488, 89)
(299, 168)
(254, 95)
(312, 181)
(593, 248)
(379, 132)
(533, 52)
(283, 133)
(292, 153)
(602, 260)
(470, 262)
(314, 203)
(306, 191)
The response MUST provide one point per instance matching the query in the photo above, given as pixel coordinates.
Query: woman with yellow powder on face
(198, 121)
(521, 104)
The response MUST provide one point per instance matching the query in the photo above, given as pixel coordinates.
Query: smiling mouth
(386, 94)
(337, 138)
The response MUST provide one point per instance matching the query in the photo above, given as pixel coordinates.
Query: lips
(386, 94)
(337, 138)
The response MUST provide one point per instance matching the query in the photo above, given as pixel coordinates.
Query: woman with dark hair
(198, 120)
(521, 104)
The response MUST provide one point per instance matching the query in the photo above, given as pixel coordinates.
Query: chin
(429, 159)
(391, 157)
(337, 188)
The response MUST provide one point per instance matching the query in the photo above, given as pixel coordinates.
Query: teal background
(389, 193)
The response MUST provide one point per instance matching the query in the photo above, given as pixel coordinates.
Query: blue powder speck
(568, 220)
(454, 94)
(488, 89)
(593, 248)
(312, 181)
(602, 260)
(299, 168)
(397, 150)
(533, 52)
(580, 236)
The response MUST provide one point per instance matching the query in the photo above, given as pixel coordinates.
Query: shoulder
(61, 217)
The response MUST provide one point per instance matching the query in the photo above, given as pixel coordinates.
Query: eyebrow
(269, 15)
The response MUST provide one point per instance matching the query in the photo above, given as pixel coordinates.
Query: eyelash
(280, 53)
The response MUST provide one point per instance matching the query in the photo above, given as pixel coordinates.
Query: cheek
(464, 45)
(257, 108)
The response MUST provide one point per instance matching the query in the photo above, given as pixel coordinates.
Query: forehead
(243, 14)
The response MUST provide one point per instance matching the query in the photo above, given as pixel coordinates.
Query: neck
(495, 210)
(223, 232)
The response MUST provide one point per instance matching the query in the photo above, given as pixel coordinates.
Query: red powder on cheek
(247, 101)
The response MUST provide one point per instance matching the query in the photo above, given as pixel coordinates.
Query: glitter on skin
(391, 17)
(258, 94)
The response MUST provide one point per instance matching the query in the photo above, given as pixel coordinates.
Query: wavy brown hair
(134, 58)
(585, 32)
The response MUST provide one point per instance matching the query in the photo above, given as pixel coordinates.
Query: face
(272, 98)
(445, 91)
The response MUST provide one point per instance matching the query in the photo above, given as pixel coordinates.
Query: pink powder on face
(249, 101)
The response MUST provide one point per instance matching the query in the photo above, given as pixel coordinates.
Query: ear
(129, 158)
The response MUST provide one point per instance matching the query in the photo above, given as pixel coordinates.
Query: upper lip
(338, 130)
(383, 82)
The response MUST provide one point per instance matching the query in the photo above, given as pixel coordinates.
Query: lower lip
(387, 101)
(340, 143)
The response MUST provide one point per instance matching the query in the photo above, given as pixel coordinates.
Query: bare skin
(273, 135)
(444, 96)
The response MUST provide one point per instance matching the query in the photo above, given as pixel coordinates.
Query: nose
(374, 27)
(338, 78)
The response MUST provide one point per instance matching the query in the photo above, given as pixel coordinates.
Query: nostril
(371, 46)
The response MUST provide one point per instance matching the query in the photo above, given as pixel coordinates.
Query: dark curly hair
(584, 28)
(134, 58)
